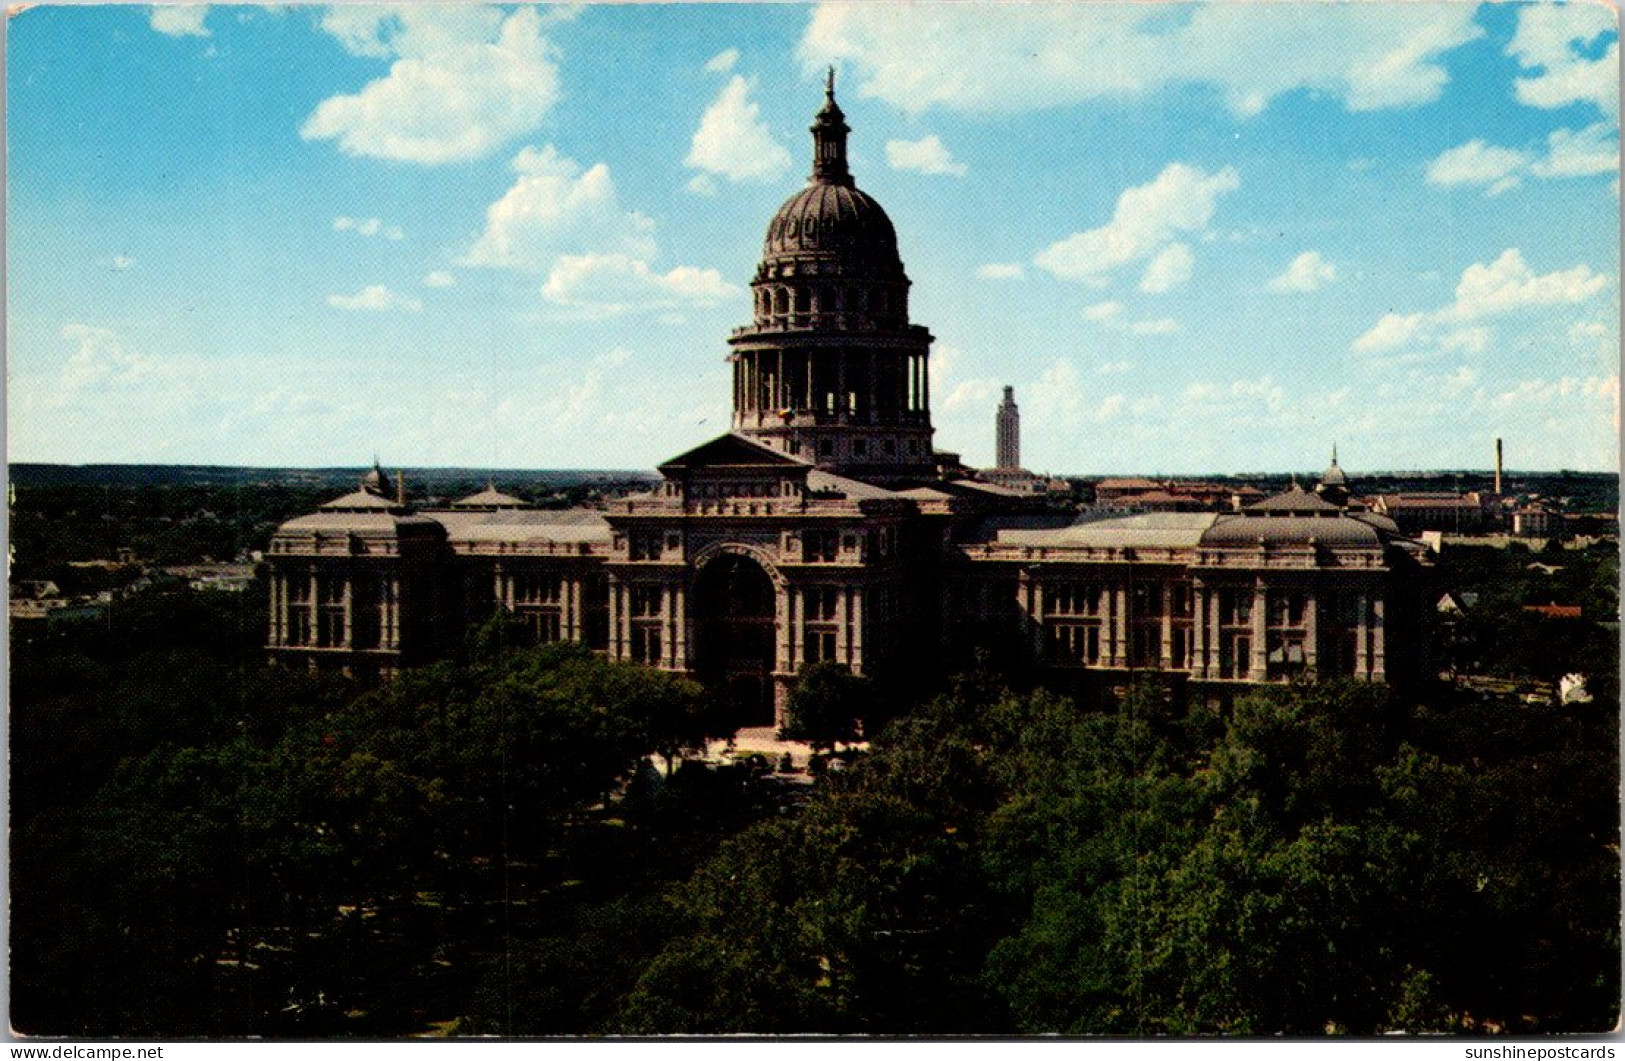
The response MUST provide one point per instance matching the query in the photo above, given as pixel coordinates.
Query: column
(1167, 654)
(1119, 625)
(925, 383)
(783, 658)
(1361, 636)
(617, 614)
(1379, 667)
(1311, 631)
(680, 626)
(873, 397)
(843, 644)
(313, 609)
(668, 635)
(349, 608)
(1198, 630)
(1036, 588)
(1258, 669)
(857, 630)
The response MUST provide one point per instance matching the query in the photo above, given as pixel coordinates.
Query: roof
(1555, 611)
(1297, 499)
(490, 497)
(731, 451)
(354, 521)
(1145, 530)
(824, 482)
(568, 525)
(362, 501)
(1247, 529)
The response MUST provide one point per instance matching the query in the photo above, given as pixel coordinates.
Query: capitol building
(826, 526)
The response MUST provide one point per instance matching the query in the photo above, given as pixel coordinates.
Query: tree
(827, 705)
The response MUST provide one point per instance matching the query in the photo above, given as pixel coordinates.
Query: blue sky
(1212, 238)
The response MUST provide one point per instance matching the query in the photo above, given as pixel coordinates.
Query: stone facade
(825, 527)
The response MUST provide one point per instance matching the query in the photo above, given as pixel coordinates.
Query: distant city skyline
(1195, 239)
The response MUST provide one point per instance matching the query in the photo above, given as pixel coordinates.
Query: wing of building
(824, 526)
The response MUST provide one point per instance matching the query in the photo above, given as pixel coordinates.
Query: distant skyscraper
(1007, 432)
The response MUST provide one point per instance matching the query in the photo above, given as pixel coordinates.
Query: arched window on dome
(781, 301)
(802, 300)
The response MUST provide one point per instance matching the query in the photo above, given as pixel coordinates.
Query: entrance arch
(735, 610)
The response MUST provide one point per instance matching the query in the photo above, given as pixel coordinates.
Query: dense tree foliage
(1322, 860)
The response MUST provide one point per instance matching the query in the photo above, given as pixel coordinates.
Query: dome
(827, 218)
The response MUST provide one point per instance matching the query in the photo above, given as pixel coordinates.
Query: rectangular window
(819, 646)
(298, 590)
(820, 546)
(646, 644)
(820, 603)
(643, 545)
(299, 627)
(645, 601)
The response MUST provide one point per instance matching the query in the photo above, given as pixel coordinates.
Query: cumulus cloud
(439, 278)
(1180, 199)
(1168, 270)
(926, 155)
(1476, 162)
(464, 81)
(733, 142)
(556, 208)
(918, 56)
(375, 298)
(1485, 293)
(1569, 153)
(174, 20)
(722, 62)
(368, 226)
(1588, 152)
(610, 284)
(1307, 272)
(1110, 315)
(1552, 43)
(1000, 271)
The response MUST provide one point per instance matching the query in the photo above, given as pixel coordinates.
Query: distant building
(1448, 513)
(1534, 521)
(825, 527)
(1007, 433)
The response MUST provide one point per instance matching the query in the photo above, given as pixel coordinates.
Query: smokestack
(1497, 466)
(400, 488)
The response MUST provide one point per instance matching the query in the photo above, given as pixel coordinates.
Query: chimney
(1498, 466)
(400, 488)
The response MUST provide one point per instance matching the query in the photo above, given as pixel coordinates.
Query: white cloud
(374, 298)
(100, 360)
(722, 62)
(1486, 292)
(918, 56)
(1181, 199)
(439, 278)
(1475, 162)
(1592, 150)
(926, 155)
(1588, 152)
(1000, 271)
(1113, 368)
(1392, 332)
(702, 184)
(609, 284)
(1307, 272)
(1508, 284)
(1110, 315)
(121, 262)
(175, 20)
(1550, 42)
(733, 142)
(1169, 269)
(556, 208)
(464, 81)
(368, 226)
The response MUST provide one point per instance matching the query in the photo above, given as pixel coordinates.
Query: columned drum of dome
(830, 370)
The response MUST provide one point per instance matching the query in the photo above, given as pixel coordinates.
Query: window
(860, 447)
(646, 644)
(1073, 643)
(820, 603)
(298, 590)
(819, 546)
(533, 587)
(643, 545)
(826, 447)
(819, 646)
(645, 601)
(298, 627)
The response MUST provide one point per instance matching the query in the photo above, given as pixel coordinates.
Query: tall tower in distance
(1007, 433)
